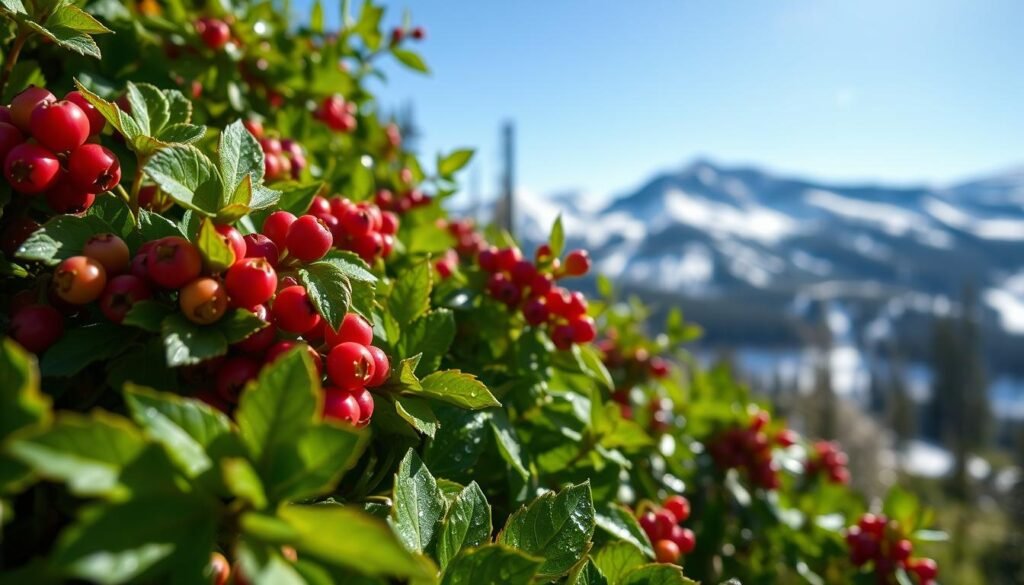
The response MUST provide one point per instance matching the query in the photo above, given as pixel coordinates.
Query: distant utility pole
(505, 215)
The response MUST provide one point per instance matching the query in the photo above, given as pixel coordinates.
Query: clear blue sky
(604, 93)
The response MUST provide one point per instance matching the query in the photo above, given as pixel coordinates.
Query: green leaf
(214, 248)
(458, 388)
(71, 27)
(467, 524)
(240, 156)
(82, 346)
(61, 237)
(417, 412)
(616, 559)
(280, 404)
(410, 59)
(555, 527)
(622, 524)
(410, 297)
(185, 174)
(185, 427)
(657, 574)
(328, 533)
(187, 343)
(165, 538)
(419, 505)
(557, 238)
(455, 160)
(147, 315)
(87, 453)
(492, 563)
(429, 336)
(312, 463)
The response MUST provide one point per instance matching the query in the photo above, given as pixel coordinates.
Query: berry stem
(19, 41)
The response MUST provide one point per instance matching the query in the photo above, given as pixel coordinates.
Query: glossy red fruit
(96, 120)
(30, 168)
(350, 366)
(233, 238)
(37, 327)
(276, 227)
(234, 374)
(10, 137)
(65, 197)
(110, 251)
(293, 310)
(250, 282)
(94, 168)
(59, 126)
(219, 570)
(577, 263)
(666, 551)
(679, 506)
(341, 405)
(215, 33)
(173, 262)
(260, 246)
(684, 538)
(365, 401)
(25, 103)
(79, 280)
(353, 328)
(204, 300)
(121, 294)
(309, 239)
(381, 367)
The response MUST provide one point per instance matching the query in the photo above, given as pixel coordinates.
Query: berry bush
(245, 343)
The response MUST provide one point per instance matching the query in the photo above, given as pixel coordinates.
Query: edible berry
(79, 280)
(204, 300)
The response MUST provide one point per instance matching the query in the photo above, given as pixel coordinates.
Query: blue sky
(604, 93)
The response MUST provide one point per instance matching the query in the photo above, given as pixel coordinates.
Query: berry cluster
(827, 457)
(662, 525)
(214, 33)
(43, 143)
(337, 113)
(880, 542)
(400, 33)
(749, 449)
(530, 287)
(357, 227)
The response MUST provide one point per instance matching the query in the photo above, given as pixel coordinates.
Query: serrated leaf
(187, 343)
(419, 505)
(557, 527)
(185, 174)
(88, 453)
(417, 413)
(410, 59)
(467, 524)
(492, 563)
(82, 346)
(280, 404)
(449, 165)
(458, 388)
(326, 533)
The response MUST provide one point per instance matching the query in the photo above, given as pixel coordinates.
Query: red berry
(37, 327)
(293, 310)
(215, 33)
(30, 168)
(79, 280)
(25, 103)
(251, 282)
(350, 365)
(94, 168)
(583, 330)
(684, 538)
(260, 246)
(121, 294)
(309, 238)
(234, 374)
(666, 551)
(365, 401)
(173, 262)
(65, 197)
(96, 120)
(110, 251)
(341, 405)
(59, 126)
(204, 300)
(276, 227)
(233, 238)
(577, 263)
(679, 506)
(381, 367)
(353, 328)
(9, 138)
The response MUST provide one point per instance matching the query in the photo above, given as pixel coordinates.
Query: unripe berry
(381, 367)
(309, 239)
(353, 328)
(204, 300)
(79, 280)
(173, 262)
(30, 168)
(96, 120)
(121, 294)
(59, 126)
(293, 310)
(25, 103)
(37, 327)
(94, 168)
(350, 366)
(251, 282)
(110, 251)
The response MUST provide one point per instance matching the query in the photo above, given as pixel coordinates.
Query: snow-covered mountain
(748, 240)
